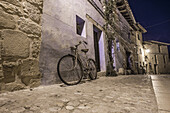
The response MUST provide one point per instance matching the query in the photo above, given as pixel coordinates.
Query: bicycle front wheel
(69, 70)
(92, 69)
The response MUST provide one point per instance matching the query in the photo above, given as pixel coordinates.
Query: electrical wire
(158, 23)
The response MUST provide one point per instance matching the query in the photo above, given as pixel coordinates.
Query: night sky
(154, 16)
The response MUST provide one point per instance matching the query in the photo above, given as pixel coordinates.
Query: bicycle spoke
(92, 69)
(69, 70)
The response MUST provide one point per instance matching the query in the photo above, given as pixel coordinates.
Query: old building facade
(128, 40)
(156, 57)
(140, 52)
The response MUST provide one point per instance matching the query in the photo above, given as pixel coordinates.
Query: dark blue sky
(154, 16)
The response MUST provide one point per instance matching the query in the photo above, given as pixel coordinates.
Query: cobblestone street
(121, 94)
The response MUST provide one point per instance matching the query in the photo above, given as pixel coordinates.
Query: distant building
(156, 57)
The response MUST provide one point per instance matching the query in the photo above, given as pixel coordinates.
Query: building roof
(156, 42)
(141, 28)
(125, 10)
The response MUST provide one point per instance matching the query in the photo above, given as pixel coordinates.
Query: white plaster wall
(59, 33)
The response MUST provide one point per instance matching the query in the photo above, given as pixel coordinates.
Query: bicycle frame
(77, 55)
(81, 66)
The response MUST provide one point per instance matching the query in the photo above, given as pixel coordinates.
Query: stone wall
(20, 36)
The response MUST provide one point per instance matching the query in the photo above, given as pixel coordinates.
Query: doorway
(155, 65)
(129, 60)
(155, 69)
(97, 35)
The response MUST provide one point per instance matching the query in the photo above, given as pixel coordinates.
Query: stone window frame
(80, 26)
(118, 45)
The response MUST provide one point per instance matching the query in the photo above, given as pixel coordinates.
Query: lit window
(80, 26)
(117, 45)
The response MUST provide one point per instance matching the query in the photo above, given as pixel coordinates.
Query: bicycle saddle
(85, 50)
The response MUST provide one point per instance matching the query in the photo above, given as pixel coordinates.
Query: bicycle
(71, 69)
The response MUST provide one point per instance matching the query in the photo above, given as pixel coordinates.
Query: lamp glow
(147, 51)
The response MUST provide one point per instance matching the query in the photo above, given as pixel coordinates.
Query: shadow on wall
(49, 56)
(53, 47)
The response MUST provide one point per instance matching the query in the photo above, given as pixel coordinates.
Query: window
(159, 48)
(117, 45)
(164, 59)
(155, 59)
(138, 37)
(80, 26)
(140, 51)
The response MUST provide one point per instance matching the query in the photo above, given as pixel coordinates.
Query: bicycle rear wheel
(92, 69)
(69, 70)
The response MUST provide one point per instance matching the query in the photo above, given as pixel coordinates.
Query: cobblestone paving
(122, 94)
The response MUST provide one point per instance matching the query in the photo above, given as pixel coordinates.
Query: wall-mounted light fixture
(147, 50)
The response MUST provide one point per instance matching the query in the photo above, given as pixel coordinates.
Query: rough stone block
(26, 80)
(6, 20)
(35, 83)
(14, 86)
(8, 73)
(29, 27)
(32, 11)
(16, 43)
(121, 71)
(14, 2)
(29, 70)
(1, 80)
(12, 9)
(35, 49)
(37, 2)
(2, 86)
(1, 74)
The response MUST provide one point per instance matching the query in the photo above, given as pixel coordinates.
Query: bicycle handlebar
(81, 43)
